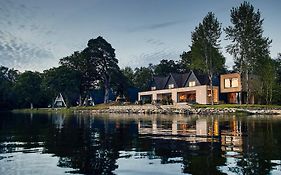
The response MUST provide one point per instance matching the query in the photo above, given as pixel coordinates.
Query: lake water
(139, 144)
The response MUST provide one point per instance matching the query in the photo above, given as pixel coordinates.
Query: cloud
(15, 17)
(156, 26)
(155, 42)
(153, 57)
(18, 54)
(24, 42)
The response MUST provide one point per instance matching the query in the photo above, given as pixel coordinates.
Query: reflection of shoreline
(230, 134)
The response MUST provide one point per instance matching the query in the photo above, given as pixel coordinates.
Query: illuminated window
(153, 88)
(231, 83)
(234, 82)
(227, 83)
(191, 83)
(171, 86)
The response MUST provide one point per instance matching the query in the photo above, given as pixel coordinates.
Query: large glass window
(231, 83)
(189, 96)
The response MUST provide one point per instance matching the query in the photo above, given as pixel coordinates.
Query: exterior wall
(226, 76)
(215, 95)
(201, 93)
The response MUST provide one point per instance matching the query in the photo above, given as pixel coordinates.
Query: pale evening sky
(35, 34)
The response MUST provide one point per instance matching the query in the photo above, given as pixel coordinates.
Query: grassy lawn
(65, 110)
(243, 106)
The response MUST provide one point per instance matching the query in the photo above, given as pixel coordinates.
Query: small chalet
(59, 102)
(180, 88)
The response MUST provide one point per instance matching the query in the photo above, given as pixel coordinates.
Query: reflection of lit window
(191, 83)
(153, 88)
(171, 86)
(227, 83)
(234, 82)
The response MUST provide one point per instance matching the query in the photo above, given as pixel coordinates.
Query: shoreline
(163, 109)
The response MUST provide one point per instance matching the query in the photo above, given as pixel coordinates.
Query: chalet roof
(180, 79)
(160, 82)
(202, 78)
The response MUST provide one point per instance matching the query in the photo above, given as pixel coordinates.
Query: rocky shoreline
(184, 109)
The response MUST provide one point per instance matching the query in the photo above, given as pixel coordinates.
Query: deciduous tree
(101, 54)
(205, 48)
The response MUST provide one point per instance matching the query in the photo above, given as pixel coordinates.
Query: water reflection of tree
(22, 131)
(89, 147)
(260, 148)
(204, 160)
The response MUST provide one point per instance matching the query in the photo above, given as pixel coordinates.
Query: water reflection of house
(58, 121)
(232, 138)
(230, 133)
(200, 130)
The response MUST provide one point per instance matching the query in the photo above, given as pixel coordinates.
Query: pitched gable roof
(171, 80)
(179, 80)
(159, 82)
(191, 77)
(203, 79)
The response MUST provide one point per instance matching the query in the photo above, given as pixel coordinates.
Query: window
(231, 83)
(227, 83)
(191, 83)
(171, 86)
(153, 88)
(234, 82)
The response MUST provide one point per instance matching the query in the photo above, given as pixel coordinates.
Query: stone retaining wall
(182, 109)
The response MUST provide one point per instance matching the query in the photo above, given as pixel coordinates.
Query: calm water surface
(139, 144)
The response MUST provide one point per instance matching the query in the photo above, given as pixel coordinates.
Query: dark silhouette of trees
(62, 80)
(248, 45)
(7, 80)
(29, 91)
(102, 56)
(165, 67)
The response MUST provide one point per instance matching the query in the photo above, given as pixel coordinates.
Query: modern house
(180, 88)
(230, 84)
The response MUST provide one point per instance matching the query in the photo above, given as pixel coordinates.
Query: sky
(35, 34)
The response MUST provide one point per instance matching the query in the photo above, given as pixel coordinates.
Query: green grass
(43, 110)
(243, 106)
(64, 110)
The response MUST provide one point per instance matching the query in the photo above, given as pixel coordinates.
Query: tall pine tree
(248, 45)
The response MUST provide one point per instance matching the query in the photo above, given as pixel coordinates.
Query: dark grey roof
(202, 78)
(180, 80)
(159, 82)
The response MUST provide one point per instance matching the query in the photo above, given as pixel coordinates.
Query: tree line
(96, 66)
